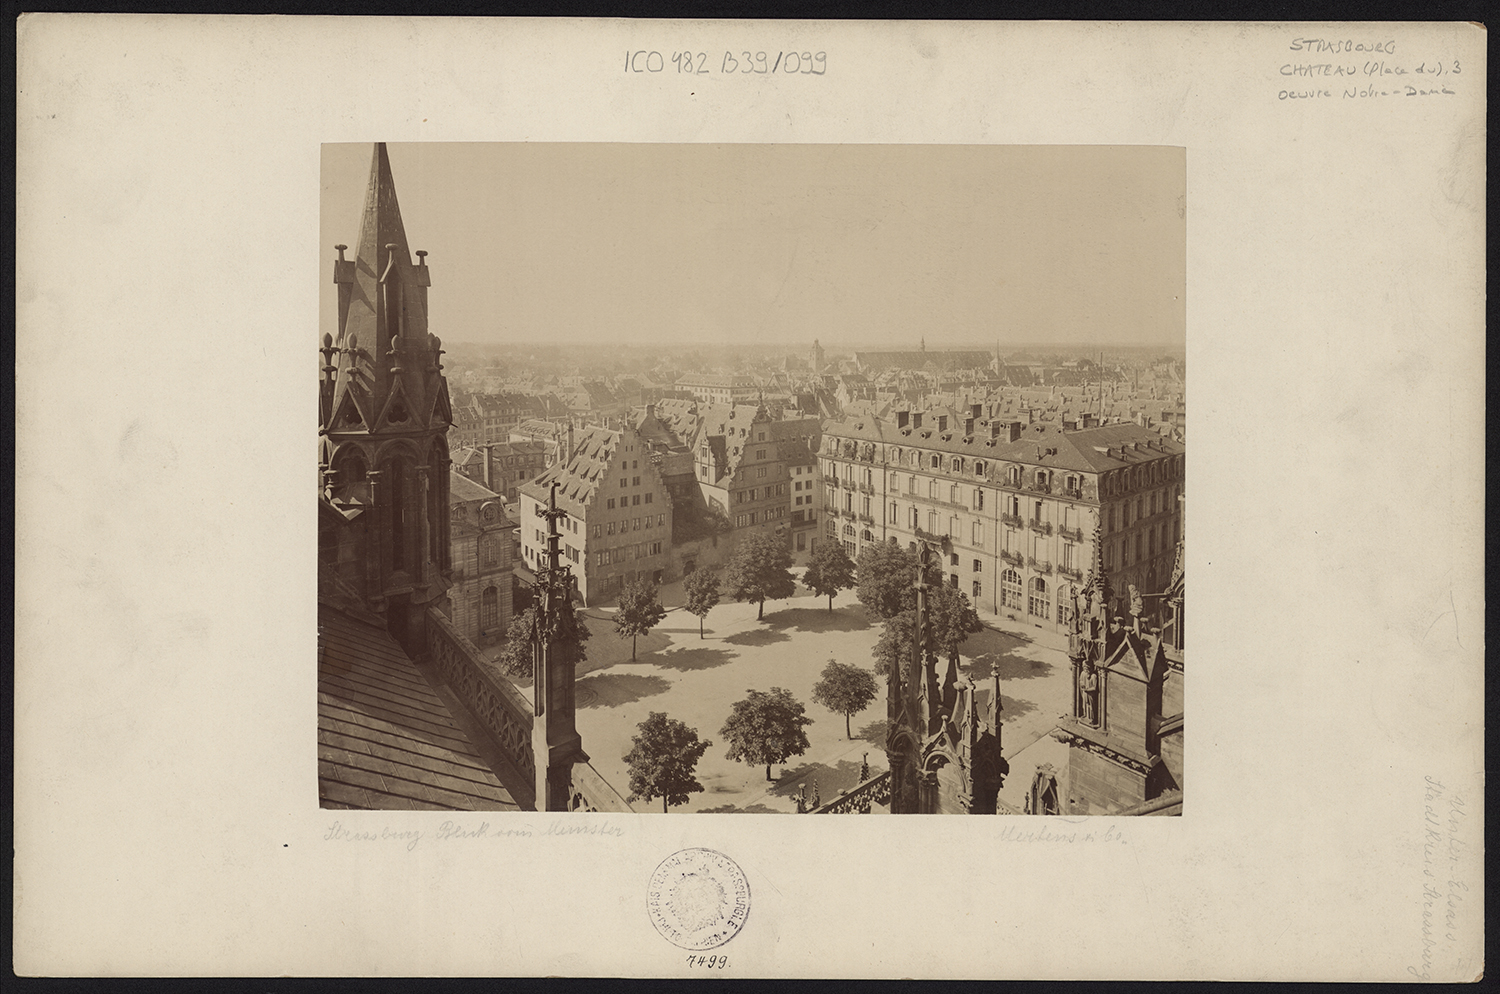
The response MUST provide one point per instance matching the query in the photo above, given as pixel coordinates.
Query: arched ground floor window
(1037, 603)
(1010, 589)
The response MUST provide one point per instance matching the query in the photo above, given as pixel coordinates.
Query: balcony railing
(1014, 558)
(1042, 527)
(876, 790)
(1041, 488)
(867, 488)
(1040, 565)
(1014, 520)
(1073, 493)
(868, 519)
(832, 481)
(1068, 571)
(1076, 534)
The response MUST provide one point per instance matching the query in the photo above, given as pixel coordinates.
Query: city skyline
(685, 245)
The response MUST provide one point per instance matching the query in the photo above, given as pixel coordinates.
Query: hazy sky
(868, 244)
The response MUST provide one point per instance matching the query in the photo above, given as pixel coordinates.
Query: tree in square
(951, 620)
(761, 568)
(702, 589)
(884, 579)
(662, 758)
(845, 690)
(765, 729)
(829, 570)
(640, 611)
(515, 655)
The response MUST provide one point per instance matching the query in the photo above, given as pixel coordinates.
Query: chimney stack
(489, 466)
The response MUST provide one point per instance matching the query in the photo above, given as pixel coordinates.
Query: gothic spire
(387, 368)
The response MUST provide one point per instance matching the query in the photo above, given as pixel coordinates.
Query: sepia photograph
(772, 479)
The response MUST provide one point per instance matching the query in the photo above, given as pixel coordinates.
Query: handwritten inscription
(1013, 833)
(451, 831)
(743, 63)
(1444, 895)
(1345, 70)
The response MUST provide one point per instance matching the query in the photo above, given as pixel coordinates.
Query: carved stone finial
(341, 249)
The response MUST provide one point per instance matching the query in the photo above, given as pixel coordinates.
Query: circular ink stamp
(698, 899)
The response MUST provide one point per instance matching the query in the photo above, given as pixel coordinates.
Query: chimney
(489, 466)
(1031, 415)
(651, 412)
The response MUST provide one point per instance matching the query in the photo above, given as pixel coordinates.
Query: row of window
(634, 500)
(759, 517)
(760, 493)
(627, 553)
(629, 525)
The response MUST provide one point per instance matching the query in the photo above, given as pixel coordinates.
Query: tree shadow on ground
(731, 809)
(607, 690)
(1011, 654)
(807, 619)
(874, 733)
(696, 658)
(756, 636)
(1014, 707)
(830, 780)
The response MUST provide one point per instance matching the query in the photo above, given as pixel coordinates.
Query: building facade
(717, 388)
(1014, 507)
(617, 523)
(481, 597)
(503, 466)
(752, 468)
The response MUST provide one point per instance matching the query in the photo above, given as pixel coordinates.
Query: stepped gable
(578, 478)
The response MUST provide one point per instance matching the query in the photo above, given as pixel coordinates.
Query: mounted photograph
(770, 479)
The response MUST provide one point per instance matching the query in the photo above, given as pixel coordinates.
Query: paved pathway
(697, 680)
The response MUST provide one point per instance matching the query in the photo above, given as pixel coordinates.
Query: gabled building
(747, 462)
(617, 514)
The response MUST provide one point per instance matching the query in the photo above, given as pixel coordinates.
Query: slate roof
(462, 490)
(386, 740)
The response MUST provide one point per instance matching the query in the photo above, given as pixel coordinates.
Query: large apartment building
(619, 514)
(1015, 508)
(717, 388)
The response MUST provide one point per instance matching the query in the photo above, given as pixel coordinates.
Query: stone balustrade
(876, 790)
(505, 713)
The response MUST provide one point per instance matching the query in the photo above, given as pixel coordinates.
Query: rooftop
(386, 740)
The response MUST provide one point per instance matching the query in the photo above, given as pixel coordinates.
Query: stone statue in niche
(1090, 684)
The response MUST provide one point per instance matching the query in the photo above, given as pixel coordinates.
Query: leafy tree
(662, 758)
(884, 577)
(761, 568)
(515, 657)
(766, 728)
(952, 620)
(640, 611)
(702, 588)
(845, 690)
(829, 570)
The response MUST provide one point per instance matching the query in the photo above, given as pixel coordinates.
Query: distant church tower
(817, 357)
(384, 417)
